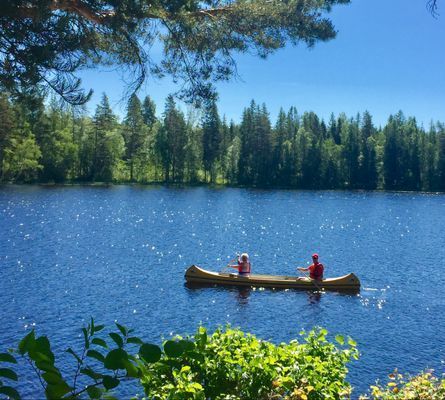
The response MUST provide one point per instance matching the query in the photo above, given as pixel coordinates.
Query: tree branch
(73, 6)
(100, 17)
(432, 7)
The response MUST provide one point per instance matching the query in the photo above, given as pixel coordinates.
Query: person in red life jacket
(315, 270)
(243, 265)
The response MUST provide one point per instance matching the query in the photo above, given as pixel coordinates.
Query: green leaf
(352, 342)
(201, 337)
(110, 382)
(57, 391)
(122, 328)
(108, 396)
(36, 357)
(85, 337)
(194, 355)
(340, 339)
(52, 378)
(43, 346)
(46, 366)
(173, 349)
(134, 340)
(117, 339)
(94, 392)
(95, 354)
(150, 352)
(71, 351)
(89, 372)
(132, 370)
(115, 359)
(187, 345)
(100, 342)
(10, 392)
(6, 357)
(98, 328)
(8, 373)
(27, 343)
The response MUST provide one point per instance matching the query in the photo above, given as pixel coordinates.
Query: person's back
(244, 266)
(316, 270)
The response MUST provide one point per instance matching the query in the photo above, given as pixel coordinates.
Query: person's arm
(302, 269)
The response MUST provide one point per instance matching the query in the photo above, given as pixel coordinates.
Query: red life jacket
(244, 268)
(316, 271)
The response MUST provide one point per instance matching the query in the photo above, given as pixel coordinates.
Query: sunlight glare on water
(120, 253)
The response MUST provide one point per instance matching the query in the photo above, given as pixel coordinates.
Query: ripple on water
(120, 254)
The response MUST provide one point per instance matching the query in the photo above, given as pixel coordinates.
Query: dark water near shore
(119, 253)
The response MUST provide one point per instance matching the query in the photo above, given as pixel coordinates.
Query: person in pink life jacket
(243, 265)
(315, 270)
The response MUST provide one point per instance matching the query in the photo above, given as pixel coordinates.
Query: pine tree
(368, 162)
(134, 133)
(391, 158)
(211, 140)
(107, 142)
(264, 143)
(7, 128)
(245, 167)
(149, 112)
(441, 158)
(172, 141)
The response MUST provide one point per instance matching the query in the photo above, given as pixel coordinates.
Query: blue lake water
(119, 254)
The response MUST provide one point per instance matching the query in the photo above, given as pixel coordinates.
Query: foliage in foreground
(228, 364)
(424, 386)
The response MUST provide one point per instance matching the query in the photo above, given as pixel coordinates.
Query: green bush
(227, 364)
(230, 364)
(98, 368)
(424, 386)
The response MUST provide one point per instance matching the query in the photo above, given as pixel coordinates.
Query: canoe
(198, 276)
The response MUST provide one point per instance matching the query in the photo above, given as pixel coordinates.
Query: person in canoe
(243, 265)
(315, 270)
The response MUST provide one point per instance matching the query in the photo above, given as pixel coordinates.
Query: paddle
(230, 262)
(314, 281)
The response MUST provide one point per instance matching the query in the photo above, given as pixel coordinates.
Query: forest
(45, 141)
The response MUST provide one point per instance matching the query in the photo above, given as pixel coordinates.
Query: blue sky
(389, 55)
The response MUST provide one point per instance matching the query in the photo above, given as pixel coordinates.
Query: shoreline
(209, 185)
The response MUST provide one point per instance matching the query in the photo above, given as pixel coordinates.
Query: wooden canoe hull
(196, 275)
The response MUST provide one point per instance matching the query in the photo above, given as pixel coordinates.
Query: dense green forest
(44, 141)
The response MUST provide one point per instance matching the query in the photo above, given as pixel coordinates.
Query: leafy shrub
(98, 368)
(230, 364)
(225, 365)
(424, 386)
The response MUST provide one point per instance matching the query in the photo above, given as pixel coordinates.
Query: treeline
(52, 143)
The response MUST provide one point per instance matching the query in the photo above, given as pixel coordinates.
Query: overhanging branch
(101, 17)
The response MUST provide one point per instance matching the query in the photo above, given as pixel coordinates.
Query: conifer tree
(368, 163)
(7, 127)
(149, 112)
(107, 142)
(134, 133)
(172, 141)
(246, 130)
(391, 159)
(441, 158)
(211, 140)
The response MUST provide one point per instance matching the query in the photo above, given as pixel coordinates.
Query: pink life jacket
(244, 267)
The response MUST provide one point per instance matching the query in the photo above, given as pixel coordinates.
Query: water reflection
(242, 293)
(314, 297)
